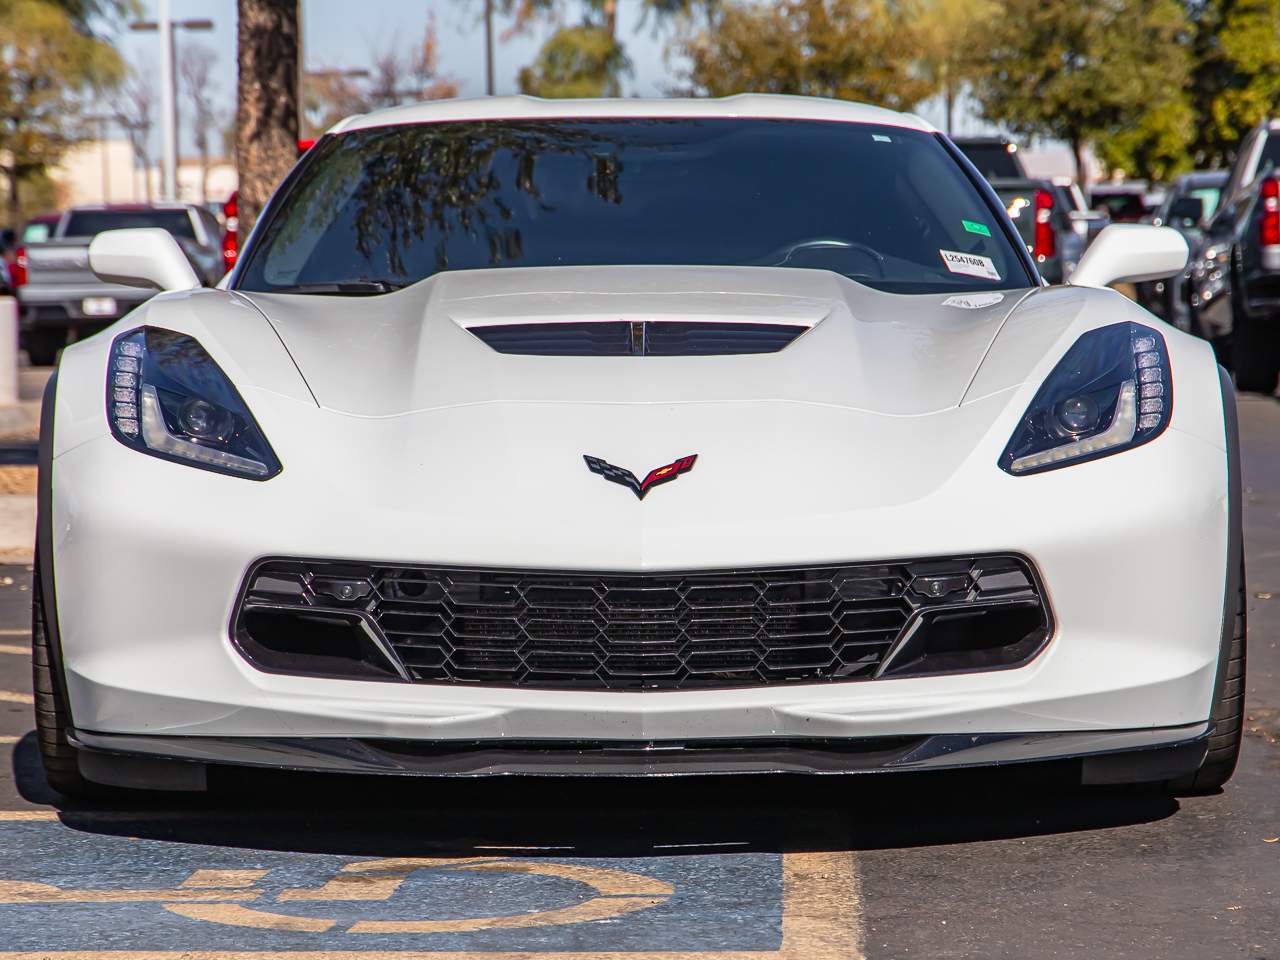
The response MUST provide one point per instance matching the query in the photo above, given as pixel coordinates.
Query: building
(105, 171)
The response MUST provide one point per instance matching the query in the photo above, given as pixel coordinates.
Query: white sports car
(628, 437)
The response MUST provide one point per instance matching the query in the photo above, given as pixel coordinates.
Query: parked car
(1188, 205)
(995, 157)
(674, 460)
(39, 228)
(60, 297)
(1235, 280)
(1041, 210)
(1124, 201)
(1086, 221)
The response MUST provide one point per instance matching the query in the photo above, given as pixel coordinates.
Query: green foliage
(47, 70)
(1154, 148)
(583, 61)
(866, 50)
(1236, 79)
(1084, 71)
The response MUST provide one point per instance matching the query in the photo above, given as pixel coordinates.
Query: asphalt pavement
(1015, 864)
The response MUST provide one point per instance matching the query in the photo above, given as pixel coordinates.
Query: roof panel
(530, 108)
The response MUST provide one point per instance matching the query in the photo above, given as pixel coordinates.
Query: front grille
(664, 631)
(622, 338)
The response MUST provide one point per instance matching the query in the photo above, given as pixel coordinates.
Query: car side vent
(652, 338)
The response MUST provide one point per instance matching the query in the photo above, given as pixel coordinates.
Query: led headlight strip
(167, 398)
(1111, 391)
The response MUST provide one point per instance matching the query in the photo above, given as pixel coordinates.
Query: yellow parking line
(15, 632)
(21, 815)
(12, 696)
(19, 651)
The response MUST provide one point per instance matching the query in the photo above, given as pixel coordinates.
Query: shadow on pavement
(387, 816)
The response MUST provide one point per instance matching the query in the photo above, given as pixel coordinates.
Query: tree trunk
(15, 204)
(610, 8)
(267, 101)
(1082, 171)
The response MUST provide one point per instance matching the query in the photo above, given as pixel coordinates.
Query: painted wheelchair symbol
(220, 896)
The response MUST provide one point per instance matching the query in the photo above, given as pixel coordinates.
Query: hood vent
(647, 338)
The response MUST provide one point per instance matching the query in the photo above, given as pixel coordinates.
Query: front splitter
(1162, 753)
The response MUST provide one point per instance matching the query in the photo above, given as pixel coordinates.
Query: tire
(61, 769)
(1227, 718)
(1255, 349)
(43, 344)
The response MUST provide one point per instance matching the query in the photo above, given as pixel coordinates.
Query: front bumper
(146, 598)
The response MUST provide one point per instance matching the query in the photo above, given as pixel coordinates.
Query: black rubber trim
(1235, 525)
(475, 758)
(44, 538)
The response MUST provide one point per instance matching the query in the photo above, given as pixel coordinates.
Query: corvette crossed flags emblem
(651, 480)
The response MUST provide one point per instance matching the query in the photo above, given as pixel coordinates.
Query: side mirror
(1131, 253)
(1188, 210)
(141, 257)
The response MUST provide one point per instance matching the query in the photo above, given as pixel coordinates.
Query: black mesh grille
(620, 338)
(670, 631)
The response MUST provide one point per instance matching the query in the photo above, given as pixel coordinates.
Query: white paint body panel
(771, 106)
(874, 436)
(1131, 253)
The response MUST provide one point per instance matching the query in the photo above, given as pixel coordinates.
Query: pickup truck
(60, 298)
(1235, 279)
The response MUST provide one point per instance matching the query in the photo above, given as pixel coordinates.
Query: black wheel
(61, 769)
(1255, 350)
(42, 346)
(1227, 718)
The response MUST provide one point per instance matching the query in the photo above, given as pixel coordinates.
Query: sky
(343, 34)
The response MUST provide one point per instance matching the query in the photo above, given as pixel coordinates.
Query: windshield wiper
(345, 288)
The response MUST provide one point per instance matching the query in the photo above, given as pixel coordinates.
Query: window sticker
(881, 138)
(974, 227)
(974, 301)
(969, 264)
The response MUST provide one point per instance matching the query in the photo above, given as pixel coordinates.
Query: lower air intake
(663, 631)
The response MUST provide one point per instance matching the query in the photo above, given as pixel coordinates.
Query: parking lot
(993, 864)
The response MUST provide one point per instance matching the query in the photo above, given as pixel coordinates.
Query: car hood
(411, 351)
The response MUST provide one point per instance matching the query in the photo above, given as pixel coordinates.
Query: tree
(1155, 146)
(1080, 72)
(134, 106)
(397, 77)
(851, 49)
(266, 101)
(195, 70)
(952, 44)
(47, 70)
(1235, 80)
(583, 61)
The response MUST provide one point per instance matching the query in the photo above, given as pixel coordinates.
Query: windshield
(377, 209)
(90, 223)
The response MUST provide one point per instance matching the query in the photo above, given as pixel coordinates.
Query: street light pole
(488, 48)
(168, 104)
(166, 25)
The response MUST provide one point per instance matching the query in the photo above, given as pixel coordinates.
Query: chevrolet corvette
(637, 437)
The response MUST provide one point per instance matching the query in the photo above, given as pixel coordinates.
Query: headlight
(167, 398)
(1112, 391)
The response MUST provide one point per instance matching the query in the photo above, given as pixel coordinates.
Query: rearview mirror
(141, 257)
(1131, 253)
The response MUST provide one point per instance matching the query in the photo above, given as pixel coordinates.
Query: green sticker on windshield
(980, 228)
